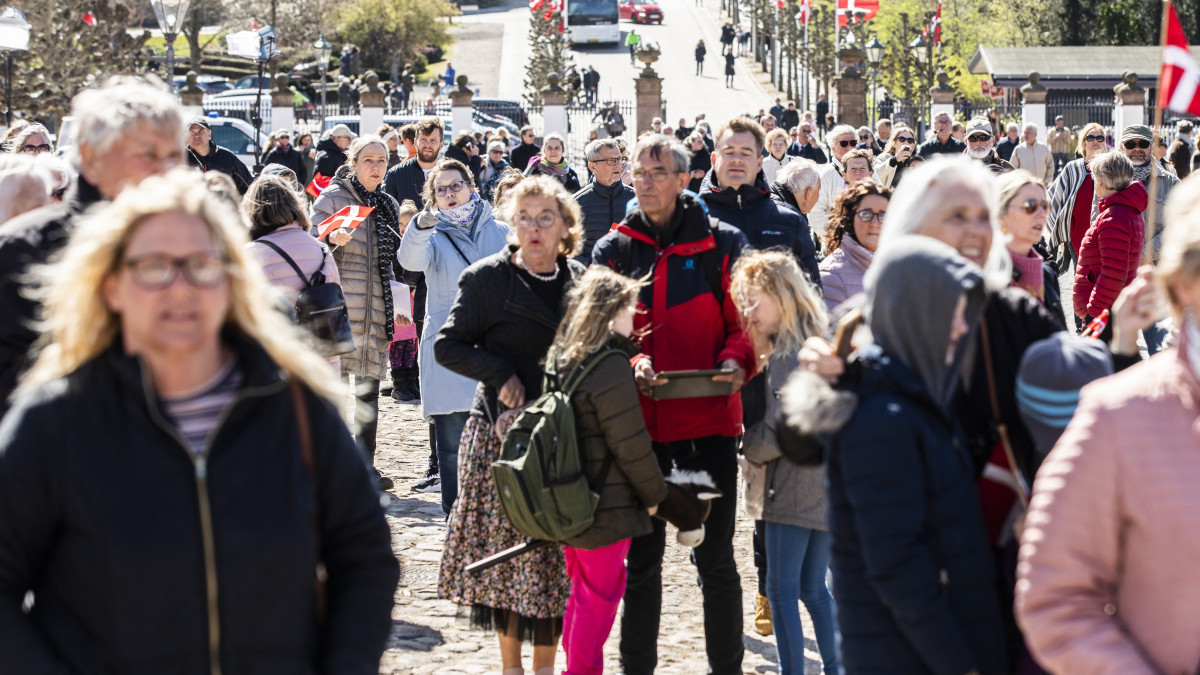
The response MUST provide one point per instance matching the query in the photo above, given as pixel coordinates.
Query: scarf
(387, 228)
(464, 213)
(557, 170)
(1142, 173)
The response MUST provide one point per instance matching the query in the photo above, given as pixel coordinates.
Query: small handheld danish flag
(350, 218)
(318, 184)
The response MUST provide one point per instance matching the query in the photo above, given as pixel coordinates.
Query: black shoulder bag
(321, 308)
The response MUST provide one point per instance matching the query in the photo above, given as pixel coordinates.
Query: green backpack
(539, 477)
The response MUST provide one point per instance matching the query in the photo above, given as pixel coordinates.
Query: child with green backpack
(617, 456)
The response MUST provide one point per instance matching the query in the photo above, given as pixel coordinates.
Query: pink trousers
(597, 585)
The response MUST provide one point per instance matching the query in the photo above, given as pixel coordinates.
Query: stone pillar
(283, 112)
(370, 103)
(851, 89)
(192, 97)
(648, 86)
(1130, 100)
(1033, 106)
(554, 107)
(941, 97)
(461, 109)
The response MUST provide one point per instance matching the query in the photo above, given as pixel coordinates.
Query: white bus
(593, 21)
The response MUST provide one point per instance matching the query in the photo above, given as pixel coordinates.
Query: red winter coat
(1111, 250)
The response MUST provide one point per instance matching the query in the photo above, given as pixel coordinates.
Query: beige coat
(1059, 140)
(1109, 580)
(1036, 159)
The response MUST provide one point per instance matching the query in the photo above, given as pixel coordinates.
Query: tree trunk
(395, 66)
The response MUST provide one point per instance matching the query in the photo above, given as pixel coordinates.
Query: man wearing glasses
(520, 155)
(1034, 156)
(979, 146)
(806, 146)
(604, 199)
(942, 143)
(670, 240)
(842, 139)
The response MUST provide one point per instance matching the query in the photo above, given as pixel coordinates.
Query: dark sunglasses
(847, 144)
(978, 138)
(905, 139)
(1129, 145)
(36, 149)
(864, 138)
(1094, 138)
(1031, 206)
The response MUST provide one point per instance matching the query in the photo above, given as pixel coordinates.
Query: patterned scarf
(387, 224)
(464, 213)
(557, 170)
(1142, 173)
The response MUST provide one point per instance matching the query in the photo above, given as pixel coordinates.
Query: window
(232, 139)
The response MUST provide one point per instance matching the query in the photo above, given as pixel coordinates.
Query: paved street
(428, 636)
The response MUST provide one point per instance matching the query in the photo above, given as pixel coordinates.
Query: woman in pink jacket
(1112, 247)
(850, 242)
(1108, 576)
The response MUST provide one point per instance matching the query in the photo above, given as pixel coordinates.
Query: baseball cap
(1137, 131)
(202, 121)
(1049, 379)
(341, 130)
(979, 126)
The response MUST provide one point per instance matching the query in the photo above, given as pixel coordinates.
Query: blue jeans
(797, 560)
(447, 435)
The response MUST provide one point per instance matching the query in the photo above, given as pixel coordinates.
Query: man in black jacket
(206, 155)
(520, 155)
(942, 143)
(284, 154)
(108, 160)
(822, 111)
(603, 200)
(806, 146)
(331, 151)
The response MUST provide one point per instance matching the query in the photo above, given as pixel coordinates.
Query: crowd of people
(891, 383)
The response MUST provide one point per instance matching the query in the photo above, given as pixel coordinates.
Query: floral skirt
(523, 597)
(402, 354)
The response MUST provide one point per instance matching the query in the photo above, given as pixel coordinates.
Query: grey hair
(909, 208)
(360, 144)
(862, 129)
(666, 149)
(1029, 126)
(1011, 126)
(496, 145)
(592, 151)
(17, 143)
(103, 115)
(555, 137)
(799, 174)
(1113, 169)
(839, 130)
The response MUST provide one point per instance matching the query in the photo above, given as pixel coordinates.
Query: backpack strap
(288, 259)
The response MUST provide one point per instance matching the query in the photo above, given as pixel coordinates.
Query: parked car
(640, 12)
(211, 84)
(503, 107)
(481, 121)
(237, 136)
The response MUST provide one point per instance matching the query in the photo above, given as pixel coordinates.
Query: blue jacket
(603, 207)
(432, 251)
(912, 567)
(765, 223)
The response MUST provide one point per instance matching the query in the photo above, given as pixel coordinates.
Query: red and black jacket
(688, 325)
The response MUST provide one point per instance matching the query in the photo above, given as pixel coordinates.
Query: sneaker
(762, 615)
(382, 481)
(429, 484)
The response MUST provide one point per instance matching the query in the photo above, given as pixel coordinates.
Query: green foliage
(383, 28)
(549, 52)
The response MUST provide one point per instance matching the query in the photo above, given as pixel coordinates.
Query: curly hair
(841, 216)
(568, 209)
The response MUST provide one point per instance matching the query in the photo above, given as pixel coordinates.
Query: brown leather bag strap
(306, 454)
(1001, 428)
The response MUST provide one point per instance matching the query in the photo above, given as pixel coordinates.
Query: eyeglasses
(542, 220)
(867, 215)
(156, 272)
(978, 138)
(905, 139)
(1094, 138)
(497, 151)
(656, 175)
(612, 161)
(846, 144)
(36, 149)
(1031, 206)
(864, 138)
(1131, 144)
(443, 190)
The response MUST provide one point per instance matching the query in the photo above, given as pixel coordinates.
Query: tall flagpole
(807, 59)
(1151, 213)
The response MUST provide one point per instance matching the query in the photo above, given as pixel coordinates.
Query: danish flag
(89, 18)
(805, 11)
(350, 218)
(1180, 77)
(318, 184)
(936, 25)
(847, 8)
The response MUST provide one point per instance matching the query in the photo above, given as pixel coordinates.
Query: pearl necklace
(551, 276)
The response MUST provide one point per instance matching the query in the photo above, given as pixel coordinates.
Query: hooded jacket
(220, 159)
(603, 207)
(691, 329)
(913, 573)
(765, 223)
(106, 518)
(1111, 251)
(329, 157)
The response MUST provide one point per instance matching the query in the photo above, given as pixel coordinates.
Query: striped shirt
(196, 412)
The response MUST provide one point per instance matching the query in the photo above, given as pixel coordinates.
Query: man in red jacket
(691, 323)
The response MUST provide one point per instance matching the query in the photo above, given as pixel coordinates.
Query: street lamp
(920, 50)
(14, 37)
(170, 14)
(874, 49)
(323, 50)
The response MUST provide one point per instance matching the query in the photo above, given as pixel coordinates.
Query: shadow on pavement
(413, 637)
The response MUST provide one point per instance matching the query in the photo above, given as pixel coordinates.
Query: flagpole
(1151, 213)
(807, 59)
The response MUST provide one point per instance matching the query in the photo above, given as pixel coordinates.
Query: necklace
(540, 277)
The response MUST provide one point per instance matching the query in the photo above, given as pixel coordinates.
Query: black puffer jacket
(106, 520)
(904, 511)
(603, 206)
(220, 159)
(499, 327)
(765, 223)
(27, 241)
(289, 158)
(329, 158)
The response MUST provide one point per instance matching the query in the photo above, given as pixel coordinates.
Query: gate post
(1033, 105)
(370, 102)
(648, 86)
(192, 97)
(554, 107)
(941, 97)
(1130, 101)
(283, 112)
(461, 108)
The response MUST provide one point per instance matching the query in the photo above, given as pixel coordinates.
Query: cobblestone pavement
(428, 635)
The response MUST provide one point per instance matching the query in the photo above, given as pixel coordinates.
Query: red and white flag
(318, 184)
(350, 218)
(1179, 82)
(89, 18)
(805, 11)
(847, 8)
(936, 25)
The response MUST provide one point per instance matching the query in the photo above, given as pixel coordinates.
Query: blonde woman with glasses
(204, 508)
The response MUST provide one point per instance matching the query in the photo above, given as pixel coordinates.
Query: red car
(640, 12)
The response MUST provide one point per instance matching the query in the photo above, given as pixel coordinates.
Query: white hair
(1032, 126)
(103, 115)
(908, 208)
(24, 185)
(799, 174)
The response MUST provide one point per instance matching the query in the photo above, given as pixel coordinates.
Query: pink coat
(304, 249)
(1109, 574)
